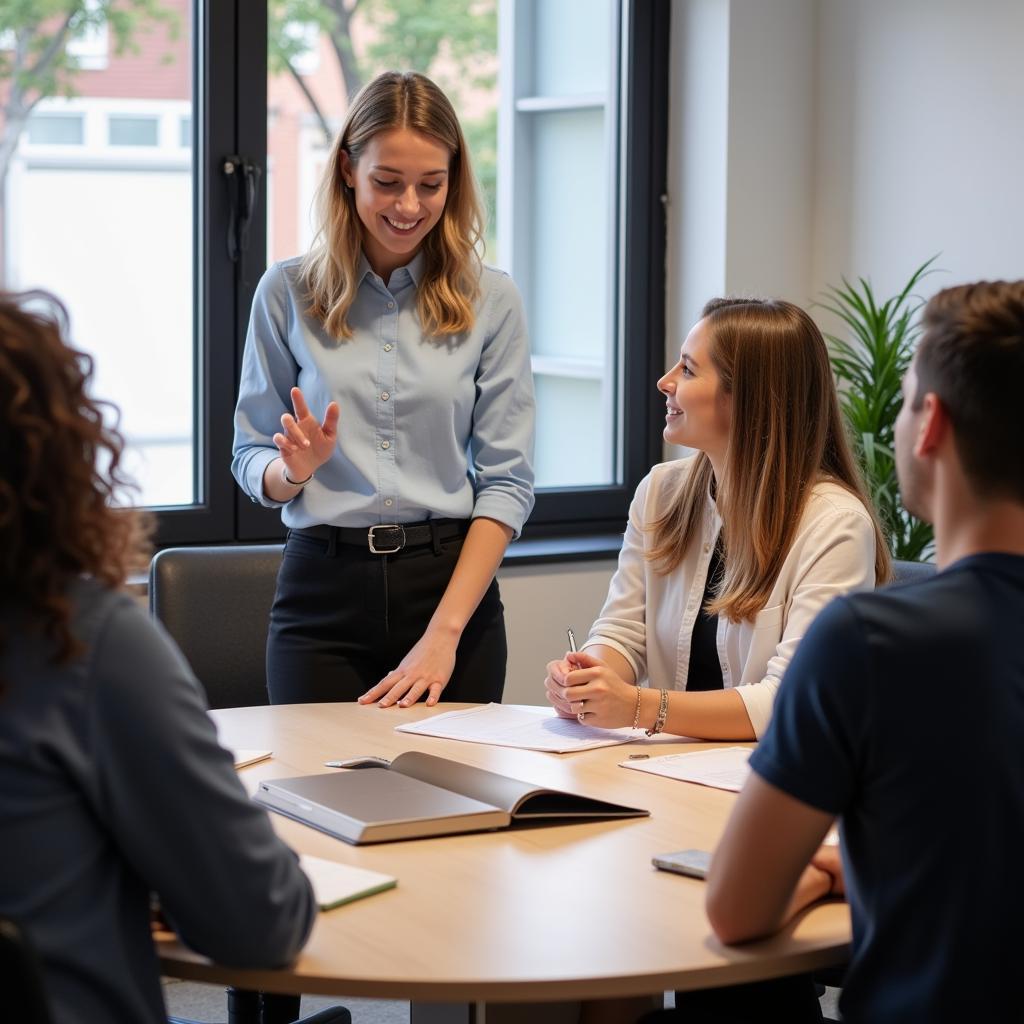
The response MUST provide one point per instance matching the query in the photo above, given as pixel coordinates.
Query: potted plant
(869, 368)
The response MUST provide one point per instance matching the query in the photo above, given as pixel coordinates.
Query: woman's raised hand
(305, 443)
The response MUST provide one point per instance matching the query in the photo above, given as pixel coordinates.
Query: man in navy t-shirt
(902, 713)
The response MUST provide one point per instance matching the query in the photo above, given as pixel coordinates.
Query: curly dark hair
(59, 471)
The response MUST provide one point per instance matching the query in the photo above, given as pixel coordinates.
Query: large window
(96, 201)
(174, 154)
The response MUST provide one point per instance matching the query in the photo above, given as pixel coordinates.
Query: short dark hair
(971, 356)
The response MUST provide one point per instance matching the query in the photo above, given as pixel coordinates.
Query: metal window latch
(242, 179)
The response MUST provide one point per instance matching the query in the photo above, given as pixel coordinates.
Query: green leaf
(869, 365)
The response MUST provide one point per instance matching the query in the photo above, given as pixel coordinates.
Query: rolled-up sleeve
(835, 555)
(501, 445)
(622, 624)
(269, 372)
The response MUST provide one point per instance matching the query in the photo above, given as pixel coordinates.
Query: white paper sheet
(722, 768)
(244, 757)
(520, 725)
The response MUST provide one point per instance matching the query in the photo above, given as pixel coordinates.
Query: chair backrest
(215, 603)
(21, 978)
(910, 572)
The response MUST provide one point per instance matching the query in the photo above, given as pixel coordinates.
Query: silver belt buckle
(386, 526)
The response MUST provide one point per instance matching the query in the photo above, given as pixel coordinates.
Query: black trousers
(344, 617)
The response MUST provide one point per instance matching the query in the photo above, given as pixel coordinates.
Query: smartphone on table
(694, 863)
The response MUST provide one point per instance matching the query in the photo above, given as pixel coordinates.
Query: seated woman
(114, 786)
(730, 553)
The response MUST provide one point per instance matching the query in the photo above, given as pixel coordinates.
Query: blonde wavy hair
(451, 279)
(787, 434)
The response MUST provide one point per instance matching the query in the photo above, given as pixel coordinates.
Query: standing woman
(729, 554)
(386, 406)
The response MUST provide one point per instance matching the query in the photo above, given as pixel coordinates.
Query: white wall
(920, 140)
(811, 139)
(541, 602)
(741, 152)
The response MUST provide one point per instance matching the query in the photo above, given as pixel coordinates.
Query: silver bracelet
(295, 483)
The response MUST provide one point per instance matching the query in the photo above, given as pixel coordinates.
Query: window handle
(242, 178)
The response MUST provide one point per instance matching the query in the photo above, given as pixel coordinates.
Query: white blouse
(648, 617)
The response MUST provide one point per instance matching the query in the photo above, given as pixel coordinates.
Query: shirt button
(388, 502)
(385, 395)
(391, 305)
(387, 347)
(385, 444)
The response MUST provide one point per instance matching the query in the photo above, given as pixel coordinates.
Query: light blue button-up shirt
(429, 427)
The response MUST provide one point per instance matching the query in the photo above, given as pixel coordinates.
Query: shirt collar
(414, 269)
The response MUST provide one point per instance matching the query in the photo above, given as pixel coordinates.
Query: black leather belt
(388, 538)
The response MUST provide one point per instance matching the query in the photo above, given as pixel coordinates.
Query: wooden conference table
(542, 914)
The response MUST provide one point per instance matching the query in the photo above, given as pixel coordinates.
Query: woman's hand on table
(608, 701)
(425, 669)
(554, 684)
(305, 443)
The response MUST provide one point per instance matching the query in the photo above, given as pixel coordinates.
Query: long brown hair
(59, 471)
(787, 434)
(451, 280)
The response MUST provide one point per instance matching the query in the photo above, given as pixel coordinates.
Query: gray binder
(423, 795)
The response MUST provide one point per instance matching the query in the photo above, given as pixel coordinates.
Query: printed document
(520, 725)
(724, 768)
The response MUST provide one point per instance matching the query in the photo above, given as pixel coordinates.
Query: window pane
(572, 39)
(559, 173)
(133, 131)
(569, 426)
(568, 243)
(56, 130)
(110, 231)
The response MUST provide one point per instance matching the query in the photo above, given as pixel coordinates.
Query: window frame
(230, 113)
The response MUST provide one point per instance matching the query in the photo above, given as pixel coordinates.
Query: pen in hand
(581, 714)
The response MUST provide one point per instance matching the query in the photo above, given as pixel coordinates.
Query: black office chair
(215, 603)
(21, 977)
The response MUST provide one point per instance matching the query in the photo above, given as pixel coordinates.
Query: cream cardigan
(648, 618)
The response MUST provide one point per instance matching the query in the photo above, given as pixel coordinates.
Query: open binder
(423, 795)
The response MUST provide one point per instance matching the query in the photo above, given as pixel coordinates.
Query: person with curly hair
(114, 785)
(386, 407)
